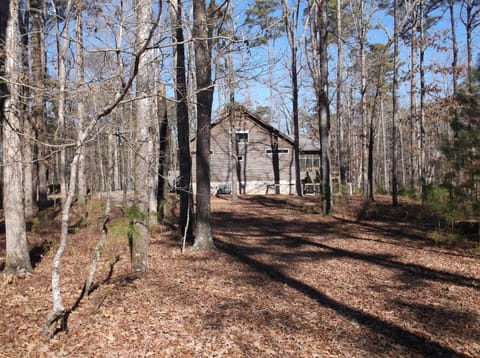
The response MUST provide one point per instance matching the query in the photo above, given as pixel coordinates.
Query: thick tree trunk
(38, 90)
(27, 120)
(138, 237)
(183, 124)
(324, 108)
(204, 95)
(17, 259)
(4, 13)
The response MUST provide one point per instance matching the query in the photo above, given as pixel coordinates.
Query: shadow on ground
(269, 245)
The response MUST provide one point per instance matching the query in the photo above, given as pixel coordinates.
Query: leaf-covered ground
(284, 281)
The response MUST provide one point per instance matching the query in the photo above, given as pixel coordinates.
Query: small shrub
(135, 214)
(453, 238)
(436, 237)
(408, 192)
(439, 204)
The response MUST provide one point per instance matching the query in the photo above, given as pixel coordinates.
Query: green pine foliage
(457, 197)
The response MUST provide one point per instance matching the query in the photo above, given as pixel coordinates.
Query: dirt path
(283, 282)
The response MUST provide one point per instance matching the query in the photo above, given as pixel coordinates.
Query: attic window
(241, 136)
(277, 151)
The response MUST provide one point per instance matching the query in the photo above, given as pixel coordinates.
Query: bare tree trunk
(471, 22)
(340, 132)
(395, 106)
(371, 157)
(138, 237)
(413, 102)
(101, 173)
(17, 259)
(422, 99)
(28, 135)
(67, 197)
(183, 123)
(163, 157)
(62, 48)
(233, 142)
(291, 24)
(231, 91)
(386, 180)
(4, 14)
(453, 30)
(27, 120)
(362, 23)
(38, 89)
(364, 115)
(116, 164)
(82, 182)
(324, 108)
(58, 313)
(153, 159)
(402, 155)
(106, 218)
(204, 94)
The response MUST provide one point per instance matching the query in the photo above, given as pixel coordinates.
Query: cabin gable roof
(246, 114)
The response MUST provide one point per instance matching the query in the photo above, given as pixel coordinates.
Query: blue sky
(258, 93)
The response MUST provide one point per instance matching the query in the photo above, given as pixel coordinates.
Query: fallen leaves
(290, 284)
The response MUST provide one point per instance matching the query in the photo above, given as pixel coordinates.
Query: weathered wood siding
(257, 170)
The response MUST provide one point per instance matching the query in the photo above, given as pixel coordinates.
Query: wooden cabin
(259, 155)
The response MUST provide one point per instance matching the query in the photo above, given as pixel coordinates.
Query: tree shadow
(274, 230)
(270, 245)
(392, 332)
(443, 319)
(406, 235)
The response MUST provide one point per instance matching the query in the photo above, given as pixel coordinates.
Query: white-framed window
(241, 136)
(277, 151)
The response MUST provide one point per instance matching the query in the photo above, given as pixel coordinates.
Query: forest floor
(367, 281)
